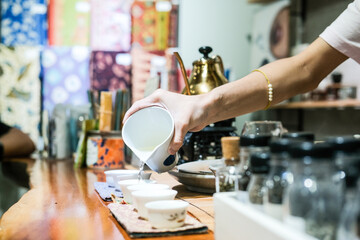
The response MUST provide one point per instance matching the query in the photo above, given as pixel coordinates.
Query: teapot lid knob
(205, 50)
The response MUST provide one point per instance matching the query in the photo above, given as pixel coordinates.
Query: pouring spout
(183, 71)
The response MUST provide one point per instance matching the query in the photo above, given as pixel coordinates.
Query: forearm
(288, 77)
(16, 143)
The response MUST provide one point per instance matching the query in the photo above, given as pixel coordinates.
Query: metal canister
(105, 150)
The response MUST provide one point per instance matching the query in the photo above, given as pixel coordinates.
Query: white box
(236, 220)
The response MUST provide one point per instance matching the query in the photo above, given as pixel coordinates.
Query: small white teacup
(145, 187)
(167, 214)
(125, 183)
(113, 176)
(140, 198)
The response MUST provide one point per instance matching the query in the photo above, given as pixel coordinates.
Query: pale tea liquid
(143, 155)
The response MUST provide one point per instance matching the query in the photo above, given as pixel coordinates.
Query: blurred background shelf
(348, 103)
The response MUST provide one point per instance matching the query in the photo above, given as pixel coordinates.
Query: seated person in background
(14, 143)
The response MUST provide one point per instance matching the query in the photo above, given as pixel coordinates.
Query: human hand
(188, 112)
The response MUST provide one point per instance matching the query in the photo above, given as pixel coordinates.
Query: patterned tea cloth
(139, 228)
(105, 191)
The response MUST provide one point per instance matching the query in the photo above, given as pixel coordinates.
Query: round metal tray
(204, 183)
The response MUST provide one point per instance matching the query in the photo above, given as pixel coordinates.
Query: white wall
(220, 24)
(223, 25)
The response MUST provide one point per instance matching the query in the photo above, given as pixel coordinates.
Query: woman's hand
(189, 113)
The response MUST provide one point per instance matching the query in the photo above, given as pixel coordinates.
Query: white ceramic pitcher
(148, 133)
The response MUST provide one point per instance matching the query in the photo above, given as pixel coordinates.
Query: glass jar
(259, 165)
(276, 181)
(312, 200)
(346, 150)
(226, 175)
(349, 227)
(249, 144)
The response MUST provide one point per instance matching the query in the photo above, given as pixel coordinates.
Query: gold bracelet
(270, 88)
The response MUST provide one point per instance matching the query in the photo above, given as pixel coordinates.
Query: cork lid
(230, 149)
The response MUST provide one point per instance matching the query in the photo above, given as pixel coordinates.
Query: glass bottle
(349, 226)
(346, 150)
(312, 200)
(259, 165)
(226, 175)
(249, 144)
(276, 181)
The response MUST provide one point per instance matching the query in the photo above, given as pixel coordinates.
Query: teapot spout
(183, 71)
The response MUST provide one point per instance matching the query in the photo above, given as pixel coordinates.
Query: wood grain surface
(63, 204)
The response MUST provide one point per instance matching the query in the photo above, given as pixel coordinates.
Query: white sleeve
(344, 33)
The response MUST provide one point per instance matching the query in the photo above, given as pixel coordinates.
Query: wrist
(212, 104)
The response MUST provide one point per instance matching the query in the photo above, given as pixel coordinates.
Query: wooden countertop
(63, 204)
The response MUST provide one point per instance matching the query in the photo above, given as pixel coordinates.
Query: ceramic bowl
(140, 198)
(167, 213)
(113, 176)
(125, 183)
(143, 187)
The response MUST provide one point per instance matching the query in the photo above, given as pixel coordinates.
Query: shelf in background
(348, 103)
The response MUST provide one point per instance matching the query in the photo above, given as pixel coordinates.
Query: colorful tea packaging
(105, 150)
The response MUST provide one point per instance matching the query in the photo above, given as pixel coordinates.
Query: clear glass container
(349, 227)
(276, 181)
(226, 179)
(259, 163)
(226, 175)
(312, 200)
(346, 151)
(249, 144)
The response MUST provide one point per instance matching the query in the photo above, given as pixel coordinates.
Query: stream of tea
(141, 170)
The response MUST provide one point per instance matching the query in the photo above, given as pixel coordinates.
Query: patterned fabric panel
(110, 70)
(143, 29)
(66, 76)
(110, 25)
(69, 22)
(23, 22)
(20, 88)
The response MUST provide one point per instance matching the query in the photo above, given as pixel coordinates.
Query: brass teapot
(207, 73)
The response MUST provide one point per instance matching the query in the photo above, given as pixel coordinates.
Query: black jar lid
(255, 140)
(281, 145)
(344, 143)
(306, 136)
(313, 150)
(352, 174)
(259, 162)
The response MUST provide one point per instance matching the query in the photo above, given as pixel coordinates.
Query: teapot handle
(218, 59)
